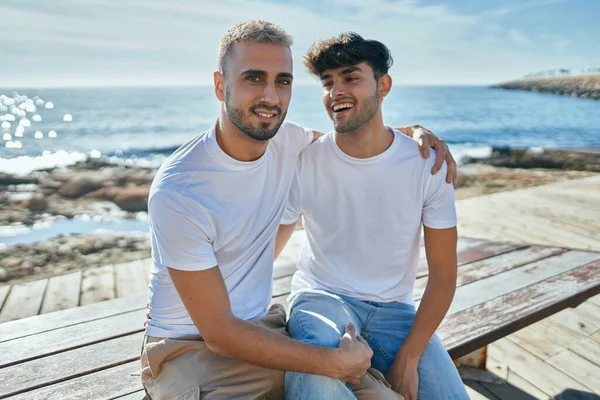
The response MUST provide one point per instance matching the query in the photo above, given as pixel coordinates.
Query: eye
(327, 84)
(352, 78)
(285, 82)
(253, 78)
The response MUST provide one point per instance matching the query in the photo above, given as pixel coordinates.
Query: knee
(310, 328)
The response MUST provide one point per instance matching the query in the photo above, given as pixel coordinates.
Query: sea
(144, 125)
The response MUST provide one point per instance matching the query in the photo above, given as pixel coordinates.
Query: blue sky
(175, 42)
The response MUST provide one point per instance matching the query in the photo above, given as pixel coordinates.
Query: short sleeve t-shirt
(207, 209)
(363, 218)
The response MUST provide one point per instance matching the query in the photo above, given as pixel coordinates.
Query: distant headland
(584, 83)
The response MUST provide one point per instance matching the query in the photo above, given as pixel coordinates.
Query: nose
(270, 95)
(336, 90)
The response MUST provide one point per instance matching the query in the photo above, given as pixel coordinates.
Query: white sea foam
(49, 105)
(68, 118)
(24, 164)
(461, 151)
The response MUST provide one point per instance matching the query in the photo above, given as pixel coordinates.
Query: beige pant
(185, 369)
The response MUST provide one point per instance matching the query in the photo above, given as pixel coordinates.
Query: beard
(241, 119)
(368, 109)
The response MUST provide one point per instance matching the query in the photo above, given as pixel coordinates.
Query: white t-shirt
(363, 218)
(207, 209)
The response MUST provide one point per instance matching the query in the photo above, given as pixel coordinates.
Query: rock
(86, 248)
(11, 262)
(7, 179)
(50, 184)
(3, 274)
(133, 202)
(131, 198)
(78, 187)
(37, 203)
(549, 159)
(64, 249)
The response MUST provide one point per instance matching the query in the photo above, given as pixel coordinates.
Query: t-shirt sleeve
(439, 211)
(181, 232)
(300, 136)
(293, 209)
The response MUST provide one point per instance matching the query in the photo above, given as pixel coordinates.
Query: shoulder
(291, 134)
(323, 143)
(183, 167)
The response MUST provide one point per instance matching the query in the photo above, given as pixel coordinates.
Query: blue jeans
(320, 319)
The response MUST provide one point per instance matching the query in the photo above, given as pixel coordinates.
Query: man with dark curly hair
(366, 195)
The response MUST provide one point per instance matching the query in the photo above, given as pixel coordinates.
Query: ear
(219, 82)
(385, 85)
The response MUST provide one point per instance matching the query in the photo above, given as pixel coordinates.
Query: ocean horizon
(146, 124)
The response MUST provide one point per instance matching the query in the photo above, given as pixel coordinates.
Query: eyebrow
(345, 71)
(259, 72)
(254, 72)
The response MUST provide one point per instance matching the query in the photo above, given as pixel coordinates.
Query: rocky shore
(585, 86)
(99, 189)
(70, 253)
(89, 188)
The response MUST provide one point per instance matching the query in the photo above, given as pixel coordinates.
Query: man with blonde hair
(214, 209)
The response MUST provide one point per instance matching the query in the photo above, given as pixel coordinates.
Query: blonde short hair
(255, 31)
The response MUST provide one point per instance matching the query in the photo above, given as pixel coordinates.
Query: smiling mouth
(341, 107)
(269, 115)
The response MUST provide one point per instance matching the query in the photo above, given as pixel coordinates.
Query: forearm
(434, 306)
(260, 346)
(283, 236)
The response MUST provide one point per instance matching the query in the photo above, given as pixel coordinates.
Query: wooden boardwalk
(558, 357)
(565, 214)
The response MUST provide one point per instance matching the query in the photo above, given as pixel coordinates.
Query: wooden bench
(92, 352)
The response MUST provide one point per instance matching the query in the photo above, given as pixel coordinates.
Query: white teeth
(342, 105)
(265, 115)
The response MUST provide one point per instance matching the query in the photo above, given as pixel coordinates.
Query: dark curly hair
(346, 50)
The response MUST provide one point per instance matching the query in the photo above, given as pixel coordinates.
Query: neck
(235, 143)
(370, 140)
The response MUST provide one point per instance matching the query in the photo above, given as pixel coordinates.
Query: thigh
(182, 369)
(386, 332)
(438, 376)
(320, 319)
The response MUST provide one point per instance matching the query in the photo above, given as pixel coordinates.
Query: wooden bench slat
(483, 290)
(107, 384)
(24, 300)
(47, 343)
(132, 278)
(139, 395)
(97, 284)
(487, 267)
(69, 364)
(472, 328)
(62, 292)
(4, 294)
(473, 252)
(47, 322)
